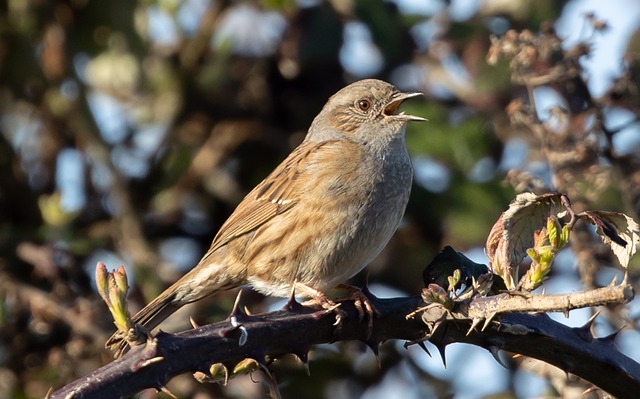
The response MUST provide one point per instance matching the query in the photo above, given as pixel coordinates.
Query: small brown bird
(320, 217)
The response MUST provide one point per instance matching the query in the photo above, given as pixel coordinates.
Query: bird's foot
(318, 298)
(363, 305)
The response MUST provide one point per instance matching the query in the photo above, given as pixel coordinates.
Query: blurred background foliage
(130, 130)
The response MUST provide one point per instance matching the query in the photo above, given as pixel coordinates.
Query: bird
(319, 218)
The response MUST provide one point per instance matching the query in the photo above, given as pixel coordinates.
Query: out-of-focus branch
(571, 138)
(41, 304)
(127, 229)
(223, 140)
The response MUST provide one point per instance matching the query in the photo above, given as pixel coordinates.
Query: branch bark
(296, 328)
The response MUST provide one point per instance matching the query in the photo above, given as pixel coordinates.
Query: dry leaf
(618, 231)
(513, 234)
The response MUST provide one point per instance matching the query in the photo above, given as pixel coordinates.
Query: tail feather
(205, 279)
(156, 311)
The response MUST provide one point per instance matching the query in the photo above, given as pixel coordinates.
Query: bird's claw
(363, 305)
(361, 301)
(329, 307)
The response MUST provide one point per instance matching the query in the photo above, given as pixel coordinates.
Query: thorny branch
(296, 328)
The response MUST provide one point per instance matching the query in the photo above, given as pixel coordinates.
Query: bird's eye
(364, 104)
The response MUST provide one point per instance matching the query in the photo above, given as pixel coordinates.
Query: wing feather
(275, 195)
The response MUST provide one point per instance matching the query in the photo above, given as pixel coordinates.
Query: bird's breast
(349, 209)
(373, 215)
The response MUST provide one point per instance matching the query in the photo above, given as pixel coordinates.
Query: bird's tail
(207, 278)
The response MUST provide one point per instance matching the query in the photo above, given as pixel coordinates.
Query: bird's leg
(319, 298)
(362, 302)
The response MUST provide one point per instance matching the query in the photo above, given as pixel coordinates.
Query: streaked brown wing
(275, 195)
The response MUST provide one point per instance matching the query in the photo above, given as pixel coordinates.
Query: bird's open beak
(391, 110)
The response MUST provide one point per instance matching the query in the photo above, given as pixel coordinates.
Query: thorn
(435, 327)
(611, 337)
(168, 392)
(424, 348)
(306, 369)
(488, 320)
(151, 361)
(304, 359)
(244, 334)
(495, 352)
(544, 290)
(303, 356)
(193, 322)
(236, 311)
(566, 314)
(584, 331)
(516, 356)
(613, 282)
(375, 348)
(441, 348)
(292, 304)
(589, 322)
(474, 284)
(247, 311)
(625, 279)
(474, 323)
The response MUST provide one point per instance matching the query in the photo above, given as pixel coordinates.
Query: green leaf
(552, 230)
(564, 236)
